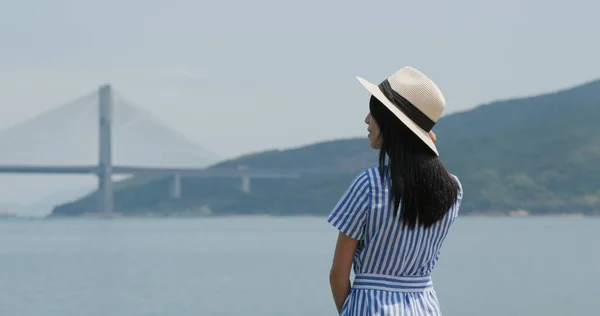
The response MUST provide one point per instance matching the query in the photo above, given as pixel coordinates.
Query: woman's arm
(339, 275)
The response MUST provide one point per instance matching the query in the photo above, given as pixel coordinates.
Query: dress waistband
(383, 282)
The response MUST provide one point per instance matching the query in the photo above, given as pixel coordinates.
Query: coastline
(182, 215)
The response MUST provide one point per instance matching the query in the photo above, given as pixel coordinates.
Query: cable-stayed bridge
(104, 99)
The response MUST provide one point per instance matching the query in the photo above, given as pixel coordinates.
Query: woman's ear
(432, 136)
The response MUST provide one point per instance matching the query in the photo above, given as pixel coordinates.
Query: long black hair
(419, 180)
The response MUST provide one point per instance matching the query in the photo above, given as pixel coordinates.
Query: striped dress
(392, 266)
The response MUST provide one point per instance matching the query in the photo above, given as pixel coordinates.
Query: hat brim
(421, 133)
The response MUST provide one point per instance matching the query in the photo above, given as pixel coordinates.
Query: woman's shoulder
(457, 181)
(369, 175)
(371, 179)
(460, 188)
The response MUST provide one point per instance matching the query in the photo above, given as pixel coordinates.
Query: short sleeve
(350, 212)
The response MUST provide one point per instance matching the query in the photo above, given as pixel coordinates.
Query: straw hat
(413, 98)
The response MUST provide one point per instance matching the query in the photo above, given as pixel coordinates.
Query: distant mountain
(539, 153)
(68, 135)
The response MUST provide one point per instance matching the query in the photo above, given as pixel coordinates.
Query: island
(537, 155)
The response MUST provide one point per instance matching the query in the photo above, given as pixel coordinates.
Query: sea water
(279, 266)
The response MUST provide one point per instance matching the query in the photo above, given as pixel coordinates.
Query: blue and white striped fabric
(392, 265)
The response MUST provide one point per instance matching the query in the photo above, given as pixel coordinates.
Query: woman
(393, 219)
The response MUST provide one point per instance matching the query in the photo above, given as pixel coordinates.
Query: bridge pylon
(105, 184)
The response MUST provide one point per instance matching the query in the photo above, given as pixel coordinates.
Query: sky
(243, 76)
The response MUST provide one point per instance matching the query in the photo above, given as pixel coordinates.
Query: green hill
(539, 153)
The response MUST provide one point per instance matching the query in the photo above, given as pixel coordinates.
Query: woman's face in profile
(374, 132)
